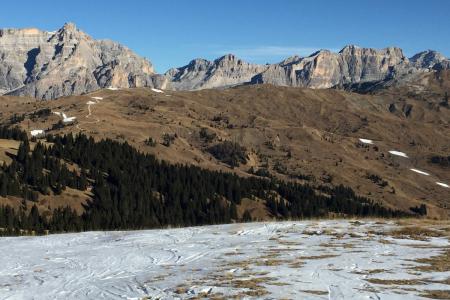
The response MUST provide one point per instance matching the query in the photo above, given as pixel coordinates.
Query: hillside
(303, 135)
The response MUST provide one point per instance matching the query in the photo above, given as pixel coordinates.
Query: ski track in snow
(152, 263)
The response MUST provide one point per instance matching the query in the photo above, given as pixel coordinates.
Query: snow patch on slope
(398, 153)
(420, 172)
(443, 184)
(366, 141)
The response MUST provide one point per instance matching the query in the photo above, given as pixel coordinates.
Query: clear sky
(171, 33)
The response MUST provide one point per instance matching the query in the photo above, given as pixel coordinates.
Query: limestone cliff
(49, 65)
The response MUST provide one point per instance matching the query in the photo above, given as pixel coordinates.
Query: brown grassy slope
(318, 128)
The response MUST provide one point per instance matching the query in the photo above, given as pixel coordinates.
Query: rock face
(325, 69)
(352, 66)
(203, 74)
(49, 65)
(427, 59)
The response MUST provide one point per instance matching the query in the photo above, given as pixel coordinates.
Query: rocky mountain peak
(320, 52)
(427, 59)
(227, 57)
(349, 49)
(68, 61)
(353, 50)
(69, 26)
(49, 65)
(227, 70)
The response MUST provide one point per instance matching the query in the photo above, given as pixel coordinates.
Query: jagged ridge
(49, 65)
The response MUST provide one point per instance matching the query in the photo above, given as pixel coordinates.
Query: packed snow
(157, 90)
(366, 141)
(112, 88)
(67, 119)
(398, 153)
(97, 98)
(37, 132)
(296, 260)
(443, 184)
(420, 172)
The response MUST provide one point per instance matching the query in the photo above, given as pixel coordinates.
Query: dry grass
(395, 281)
(436, 294)
(243, 264)
(416, 232)
(181, 289)
(438, 263)
(278, 250)
(252, 283)
(270, 262)
(278, 283)
(215, 296)
(296, 264)
(289, 243)
(7, 148)
(278, 109)
(161, 277)
(323, 256)
(372, 271)
(233, 253)
(315, 292)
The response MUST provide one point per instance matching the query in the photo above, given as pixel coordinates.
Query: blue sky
(171, 33)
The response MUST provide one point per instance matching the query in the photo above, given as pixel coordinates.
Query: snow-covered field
(291, 260)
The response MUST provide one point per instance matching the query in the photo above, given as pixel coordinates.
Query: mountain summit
(349, 67)
(49, 65)
(225, 71)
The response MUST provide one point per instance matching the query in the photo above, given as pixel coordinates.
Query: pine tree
(24, 149)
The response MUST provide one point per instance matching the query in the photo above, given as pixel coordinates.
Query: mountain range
(49, 65)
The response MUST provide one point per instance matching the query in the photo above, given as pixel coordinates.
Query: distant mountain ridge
(48, 65)
(322, 69)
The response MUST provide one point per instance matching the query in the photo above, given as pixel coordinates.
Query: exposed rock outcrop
(225, 71)
(427, 59)
(49, 65)
(325, 69)
(353, 67)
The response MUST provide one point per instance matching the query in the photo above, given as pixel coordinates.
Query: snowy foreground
(289, 260)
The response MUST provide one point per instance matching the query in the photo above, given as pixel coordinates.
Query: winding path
(89, 115)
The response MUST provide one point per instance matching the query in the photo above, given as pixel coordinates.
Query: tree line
(135, 190)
